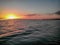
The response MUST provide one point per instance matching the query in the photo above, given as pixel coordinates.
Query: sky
(29, 6)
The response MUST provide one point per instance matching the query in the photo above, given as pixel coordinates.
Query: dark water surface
(32, 32)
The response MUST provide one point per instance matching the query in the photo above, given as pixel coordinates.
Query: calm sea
(29, 32)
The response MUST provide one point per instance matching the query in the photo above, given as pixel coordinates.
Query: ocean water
(29, 32)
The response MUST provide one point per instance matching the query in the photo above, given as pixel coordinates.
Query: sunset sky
(24, 7)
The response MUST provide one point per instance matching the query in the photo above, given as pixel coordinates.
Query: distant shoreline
(29, 19)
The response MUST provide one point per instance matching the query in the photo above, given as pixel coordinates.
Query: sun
(11, 16)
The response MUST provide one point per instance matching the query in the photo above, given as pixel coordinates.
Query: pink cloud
(46, 16)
